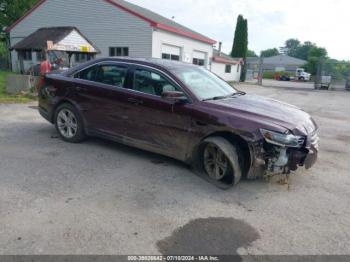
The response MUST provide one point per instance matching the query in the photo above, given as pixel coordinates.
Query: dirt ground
(100, 197)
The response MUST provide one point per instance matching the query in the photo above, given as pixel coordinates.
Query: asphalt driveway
(100, 197)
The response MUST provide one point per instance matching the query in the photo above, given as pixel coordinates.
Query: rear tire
(220, 162)
(69, 124)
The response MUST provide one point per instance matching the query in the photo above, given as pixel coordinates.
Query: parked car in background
(182, 111)
(284, 77)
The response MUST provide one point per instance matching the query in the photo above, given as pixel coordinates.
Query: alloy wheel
(215, 162)
(67, 123)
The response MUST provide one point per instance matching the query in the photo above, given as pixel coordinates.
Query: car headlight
(284, 140)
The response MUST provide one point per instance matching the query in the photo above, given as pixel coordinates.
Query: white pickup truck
(301, 75)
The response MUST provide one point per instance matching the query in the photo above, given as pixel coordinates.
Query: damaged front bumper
(269, 159)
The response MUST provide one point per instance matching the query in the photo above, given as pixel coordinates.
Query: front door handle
(80, 89)
(135, 101)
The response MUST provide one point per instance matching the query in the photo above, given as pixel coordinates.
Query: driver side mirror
(174, 96)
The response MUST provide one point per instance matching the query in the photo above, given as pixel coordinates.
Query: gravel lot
(104, 198)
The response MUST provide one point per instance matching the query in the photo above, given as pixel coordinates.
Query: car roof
(156, 63)
(167, 64)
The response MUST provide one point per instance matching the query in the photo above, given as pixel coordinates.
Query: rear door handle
(135, 101)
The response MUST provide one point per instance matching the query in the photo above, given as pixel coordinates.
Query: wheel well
(64, 101)
(241, 145)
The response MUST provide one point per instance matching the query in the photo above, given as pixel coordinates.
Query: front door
(156, 123)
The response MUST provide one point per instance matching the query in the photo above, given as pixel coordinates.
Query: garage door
(171, 52)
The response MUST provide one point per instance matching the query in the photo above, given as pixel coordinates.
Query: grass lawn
(5, 98)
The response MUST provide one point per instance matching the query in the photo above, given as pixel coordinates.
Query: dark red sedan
(181, 111)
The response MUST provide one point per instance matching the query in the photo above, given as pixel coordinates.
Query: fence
(326, 74)
(332, 75)
(17, 84)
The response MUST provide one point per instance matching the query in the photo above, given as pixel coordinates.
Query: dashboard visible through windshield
(204, 84)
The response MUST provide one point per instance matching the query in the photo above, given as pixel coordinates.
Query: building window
(81, 57)
(198, 61)
(27, 55)
(170, 57)
(40, 56)
(228, 69)
(119, 51)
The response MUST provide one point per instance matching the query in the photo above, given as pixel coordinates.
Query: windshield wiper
(240, 93)
(216, 98)
(223, 97)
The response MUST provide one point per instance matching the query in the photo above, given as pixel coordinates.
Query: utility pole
(261, 71)
(318, 80)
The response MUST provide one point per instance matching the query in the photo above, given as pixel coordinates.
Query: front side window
(228, 69)
(119, 51)
(203, 84)
(152, 83)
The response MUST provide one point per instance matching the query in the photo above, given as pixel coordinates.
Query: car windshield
(204, 84)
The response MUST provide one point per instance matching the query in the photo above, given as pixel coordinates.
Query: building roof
(284, 60)
(278, 60)
(220, 57)
(252, 60)
(37, 41)
(155, 20)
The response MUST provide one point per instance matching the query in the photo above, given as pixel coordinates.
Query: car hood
(269, 111)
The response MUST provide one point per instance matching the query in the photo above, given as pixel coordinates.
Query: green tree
(12, 10)
(240, 42)
(315, 56)
(302, 52)
(291, 46)
(251, 53)
(292, 43)
(270, 52)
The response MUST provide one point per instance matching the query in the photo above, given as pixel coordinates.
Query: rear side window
(114, 75)
(87, 74)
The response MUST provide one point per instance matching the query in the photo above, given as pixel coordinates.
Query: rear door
(155, 122)
(100, 93)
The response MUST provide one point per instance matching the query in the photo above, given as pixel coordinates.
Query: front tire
(69, 124)
(220, 161)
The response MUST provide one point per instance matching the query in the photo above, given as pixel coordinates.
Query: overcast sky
(271, 22)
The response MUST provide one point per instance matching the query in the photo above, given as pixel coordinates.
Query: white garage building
(226, 67)
(116, 28)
